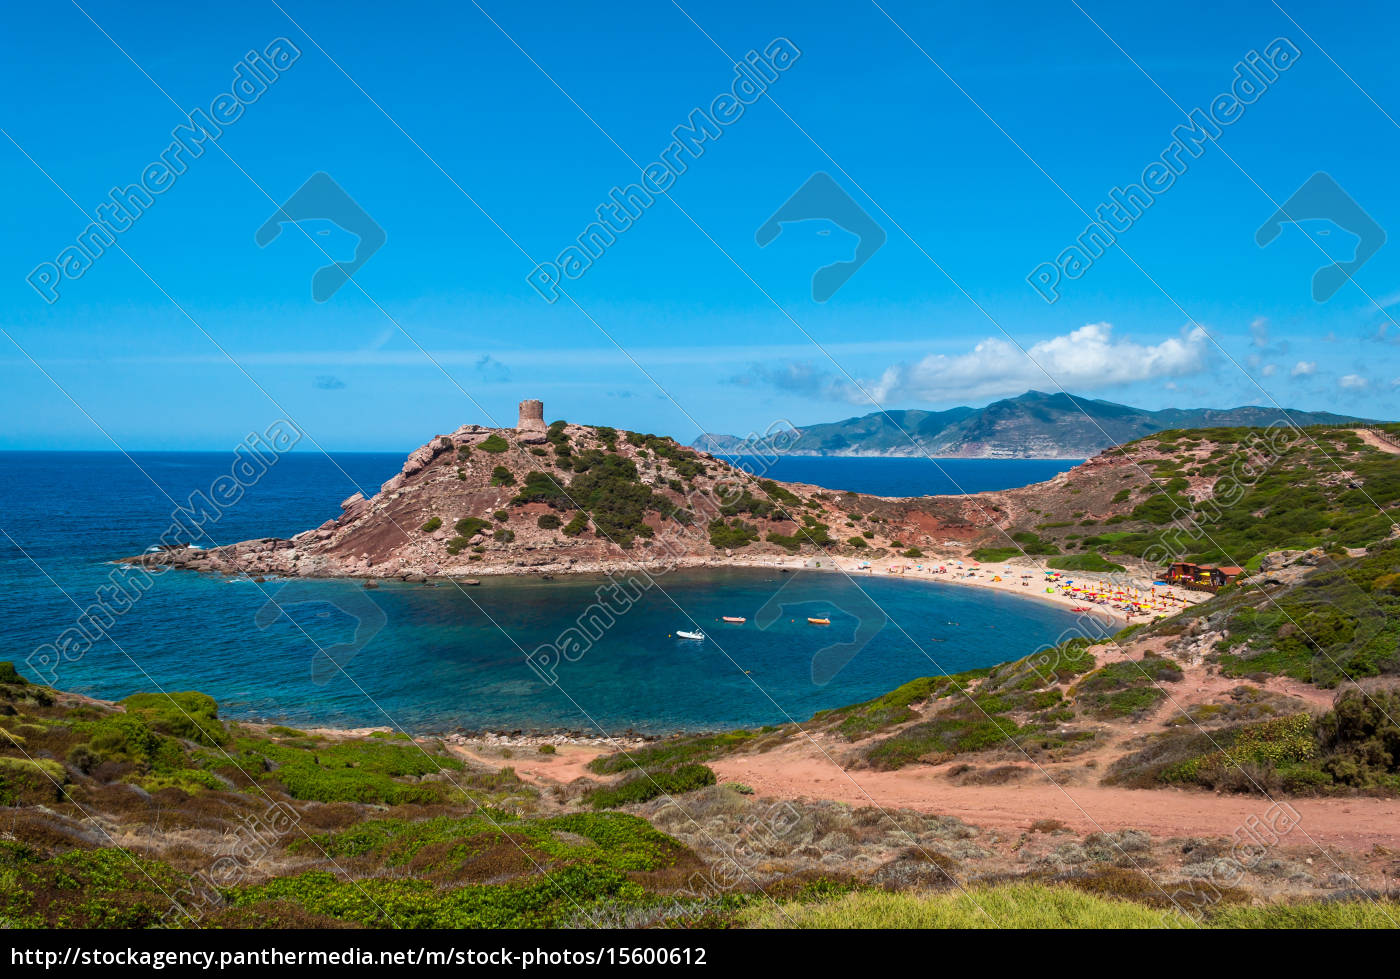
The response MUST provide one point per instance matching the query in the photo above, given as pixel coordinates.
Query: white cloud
(1303, 368)
(1354, 382)
(1084, 359)
(1269, 370)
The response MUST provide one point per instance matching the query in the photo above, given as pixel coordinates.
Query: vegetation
(470, 526)
(671, 753)
(729, 534)
(431, 524)
(1017, 707)
(1353, 747)
(648, 785)
(1036, 905)
(1084, 562)
(1126, 688)
(548, 521)
(501, 476)
(493, 443)
(1342, 621)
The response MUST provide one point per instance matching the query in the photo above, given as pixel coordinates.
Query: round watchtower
(531, 419)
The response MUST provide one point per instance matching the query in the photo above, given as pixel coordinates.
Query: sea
(586, 655)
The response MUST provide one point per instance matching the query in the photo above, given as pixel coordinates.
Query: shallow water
(438, 658)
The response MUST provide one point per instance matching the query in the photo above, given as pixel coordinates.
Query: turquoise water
(439, 658)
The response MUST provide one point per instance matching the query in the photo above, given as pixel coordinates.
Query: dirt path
(1374, 440)
(1351, 823)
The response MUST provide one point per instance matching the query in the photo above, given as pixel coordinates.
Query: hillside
(1034, 425)
(1098, 781)
(592, 498)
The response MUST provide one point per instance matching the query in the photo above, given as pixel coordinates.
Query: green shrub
(541, 487)
(548, 521)
(470, 526)
(190, 715)
(577, 525)
(501, 476)
(731, 534)
(649, 785)
(431, 524)
(494, 443)
(1091, 561)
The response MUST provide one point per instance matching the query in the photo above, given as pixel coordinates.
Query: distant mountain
(1034, 425)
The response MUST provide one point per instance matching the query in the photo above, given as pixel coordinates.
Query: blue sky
(685, 322)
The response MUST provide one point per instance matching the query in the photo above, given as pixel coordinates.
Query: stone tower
(531, 421)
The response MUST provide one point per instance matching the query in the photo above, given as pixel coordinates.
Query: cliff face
(586, 498)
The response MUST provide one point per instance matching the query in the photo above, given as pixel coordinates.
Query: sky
(942, 159)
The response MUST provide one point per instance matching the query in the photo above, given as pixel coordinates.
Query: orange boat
(819, 621)
(735, 618)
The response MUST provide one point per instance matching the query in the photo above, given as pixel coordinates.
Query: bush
(190, 715)
(494, 443)
(913, 552)
(1360, 740)
(649, 785)
(470, 526)
(548, 521)
(501, 476)
(577, 525)
(1092, 561)
(504, 535)
(857, 542)
(730, 534)
(501, 516)
(432, 524)
(541, 487)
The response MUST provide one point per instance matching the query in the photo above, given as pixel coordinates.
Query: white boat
(690, 635)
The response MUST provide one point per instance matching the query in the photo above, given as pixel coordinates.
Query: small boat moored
(689, 635)
(818, 621)
(735, 618)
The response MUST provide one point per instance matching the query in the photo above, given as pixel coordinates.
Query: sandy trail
(1350, 823)
(1374, 440)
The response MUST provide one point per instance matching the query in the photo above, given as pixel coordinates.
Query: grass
(1093, 561)
(1042, 906)
(1127, 688)
(355, 770)
(671, 752)
(649, 785)
(1015, 703)
(1343, 620)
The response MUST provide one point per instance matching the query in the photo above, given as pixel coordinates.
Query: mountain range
(1034, 425)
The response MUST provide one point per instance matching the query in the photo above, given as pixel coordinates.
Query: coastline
(959, 571)
(971, 575)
